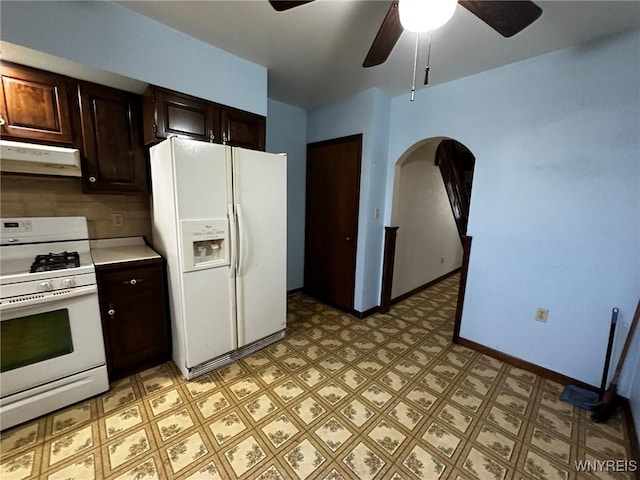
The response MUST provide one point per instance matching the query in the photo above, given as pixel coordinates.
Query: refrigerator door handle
(233, 234)
(242, 244)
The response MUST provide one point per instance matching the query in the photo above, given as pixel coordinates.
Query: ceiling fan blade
(282, 5)
(507, 17)
(387, 37)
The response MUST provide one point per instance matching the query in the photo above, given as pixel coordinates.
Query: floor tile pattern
(386, 397)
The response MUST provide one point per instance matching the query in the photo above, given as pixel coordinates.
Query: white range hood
(20, 157)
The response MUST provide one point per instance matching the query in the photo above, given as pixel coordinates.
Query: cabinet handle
(93, 179)
(212, 137)
(133, 281)
(2, 122)
(111, 312)
(224, 138)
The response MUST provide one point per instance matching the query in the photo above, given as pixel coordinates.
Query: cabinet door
(34, 105)
(185, 116)
(135, 336)
(243, 129)
(134, 315)
(113, 153)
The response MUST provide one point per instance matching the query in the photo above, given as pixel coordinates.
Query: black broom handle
(627, 344)
(607, 362)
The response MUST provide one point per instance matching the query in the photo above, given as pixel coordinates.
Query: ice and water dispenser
(205, 243)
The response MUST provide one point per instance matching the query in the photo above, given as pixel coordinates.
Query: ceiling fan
(507, 17)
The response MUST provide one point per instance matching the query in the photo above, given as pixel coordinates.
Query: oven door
(46, 337)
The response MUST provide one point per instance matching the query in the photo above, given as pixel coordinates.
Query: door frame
(386, 300)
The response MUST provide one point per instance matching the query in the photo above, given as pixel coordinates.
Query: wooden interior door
(333, 193)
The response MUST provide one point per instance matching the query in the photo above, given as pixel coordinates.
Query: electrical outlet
(376, 213)
(542, 314)
(118, 219)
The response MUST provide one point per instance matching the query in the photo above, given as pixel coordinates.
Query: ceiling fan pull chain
(415, 67)
(426, 70)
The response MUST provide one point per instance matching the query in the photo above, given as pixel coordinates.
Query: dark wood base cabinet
(134, 313)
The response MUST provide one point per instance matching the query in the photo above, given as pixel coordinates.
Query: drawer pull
(111, 312)
(133, 281)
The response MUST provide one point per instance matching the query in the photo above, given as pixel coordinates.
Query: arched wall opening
(428, 244)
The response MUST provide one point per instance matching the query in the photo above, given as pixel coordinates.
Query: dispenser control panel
(205, 243)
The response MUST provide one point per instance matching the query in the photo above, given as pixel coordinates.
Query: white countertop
(115, 250)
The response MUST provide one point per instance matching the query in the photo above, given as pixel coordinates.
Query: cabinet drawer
(131, 282)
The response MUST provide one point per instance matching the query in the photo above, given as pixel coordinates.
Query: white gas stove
(52, 349)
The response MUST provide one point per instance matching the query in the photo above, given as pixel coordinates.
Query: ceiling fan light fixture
(425, 15)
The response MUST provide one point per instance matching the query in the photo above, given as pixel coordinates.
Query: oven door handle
(48, 297)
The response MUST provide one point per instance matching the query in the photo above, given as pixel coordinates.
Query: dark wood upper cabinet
(167, 112)
(243, 129)
(35, 105)
(113, 157)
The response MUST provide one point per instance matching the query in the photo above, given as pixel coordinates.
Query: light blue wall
(109, 37)
(367, 113)
(555, 208)
(287, 133)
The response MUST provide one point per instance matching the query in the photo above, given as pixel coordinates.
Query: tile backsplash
(41, 196)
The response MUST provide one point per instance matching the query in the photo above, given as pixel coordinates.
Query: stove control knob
(69, 282)
(45, 286)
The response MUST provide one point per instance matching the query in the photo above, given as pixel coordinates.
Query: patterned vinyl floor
(387, 397)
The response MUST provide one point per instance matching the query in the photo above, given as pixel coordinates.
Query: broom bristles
(603, 412)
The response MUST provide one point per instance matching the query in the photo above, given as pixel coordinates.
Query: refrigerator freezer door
(200, 179)
(210, 329)
(260, 191)
(201, 172)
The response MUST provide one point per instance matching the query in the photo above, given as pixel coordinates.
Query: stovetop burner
(55, 261)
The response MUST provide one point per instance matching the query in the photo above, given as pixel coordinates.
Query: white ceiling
(314, 52)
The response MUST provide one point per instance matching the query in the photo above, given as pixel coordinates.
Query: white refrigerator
(219, 218)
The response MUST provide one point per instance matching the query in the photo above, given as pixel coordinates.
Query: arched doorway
(431, 200)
